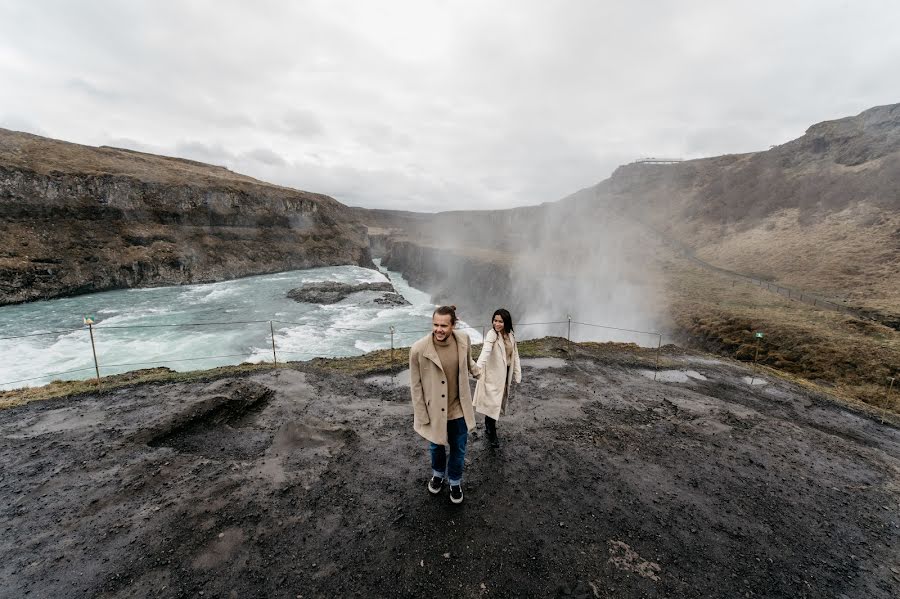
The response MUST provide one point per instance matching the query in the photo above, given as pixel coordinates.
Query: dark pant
(457, 435)
(490, 425)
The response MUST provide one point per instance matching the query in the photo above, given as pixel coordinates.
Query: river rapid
(194, 327)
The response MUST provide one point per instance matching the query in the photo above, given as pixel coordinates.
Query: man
(439, 364)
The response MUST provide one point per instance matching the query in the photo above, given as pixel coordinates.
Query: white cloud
(429, 104)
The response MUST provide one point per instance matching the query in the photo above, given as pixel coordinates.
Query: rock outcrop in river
(331, 292)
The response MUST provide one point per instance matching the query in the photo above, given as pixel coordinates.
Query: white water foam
(302, 330)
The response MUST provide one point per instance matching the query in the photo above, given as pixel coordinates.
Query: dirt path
(305, 484)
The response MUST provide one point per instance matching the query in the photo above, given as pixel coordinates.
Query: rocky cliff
(78, 219)
(835, 165)
(476, 286)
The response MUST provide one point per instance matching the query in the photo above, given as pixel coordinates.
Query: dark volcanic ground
(307, 484)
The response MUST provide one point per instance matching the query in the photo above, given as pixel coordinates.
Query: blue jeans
(457, 435)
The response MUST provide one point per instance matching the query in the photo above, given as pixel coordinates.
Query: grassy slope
(852, 357)
(44, 155)
(851, 256)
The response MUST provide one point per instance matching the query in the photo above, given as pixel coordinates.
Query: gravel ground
(310, 484)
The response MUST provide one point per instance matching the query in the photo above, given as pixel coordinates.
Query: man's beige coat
(428, 387)
(492, 390)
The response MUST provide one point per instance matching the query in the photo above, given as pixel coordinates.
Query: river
(192, 327)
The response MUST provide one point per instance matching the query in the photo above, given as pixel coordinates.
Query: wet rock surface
(391, 299)
(304, 483)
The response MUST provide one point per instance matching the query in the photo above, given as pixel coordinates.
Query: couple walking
(439, 368)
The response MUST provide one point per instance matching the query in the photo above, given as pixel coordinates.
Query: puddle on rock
(674, 376)
(401, 379)
(543, 363)
(699, 360)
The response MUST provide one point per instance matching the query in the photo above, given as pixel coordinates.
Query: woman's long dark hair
(507, 319)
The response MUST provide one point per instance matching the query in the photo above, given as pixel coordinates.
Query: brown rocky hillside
(77, 219)
(820, 213)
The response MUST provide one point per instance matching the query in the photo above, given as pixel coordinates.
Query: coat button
(442, 409)
(442, 395)
(442, 382)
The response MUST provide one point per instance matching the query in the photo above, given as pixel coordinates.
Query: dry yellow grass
(852, 256)
(44, 156)
(62, 389)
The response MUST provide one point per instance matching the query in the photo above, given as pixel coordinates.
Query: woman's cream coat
(491, 392)
(428, 387)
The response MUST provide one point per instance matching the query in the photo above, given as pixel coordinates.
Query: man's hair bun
(447, 310)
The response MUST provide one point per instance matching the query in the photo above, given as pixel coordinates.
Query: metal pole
(887, 400)
(569, 332)
(658, 345)
(94, 351)
(753, 375)
(274, 357)
(392, 348)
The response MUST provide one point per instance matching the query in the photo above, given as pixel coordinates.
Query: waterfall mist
(582, 256)
(587, 260)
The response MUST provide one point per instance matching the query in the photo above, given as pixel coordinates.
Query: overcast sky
(433, 105)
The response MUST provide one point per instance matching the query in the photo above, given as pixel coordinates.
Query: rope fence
(111, 366)
(391, 333)
(41, 333)
(43, 376)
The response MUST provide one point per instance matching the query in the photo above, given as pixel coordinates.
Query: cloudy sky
(432, 105)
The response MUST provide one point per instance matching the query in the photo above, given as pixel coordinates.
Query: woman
(499, 361)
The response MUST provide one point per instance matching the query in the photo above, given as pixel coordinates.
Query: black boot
(490, 426)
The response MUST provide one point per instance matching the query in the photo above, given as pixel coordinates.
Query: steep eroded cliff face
(476, 287)
(75, 219)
